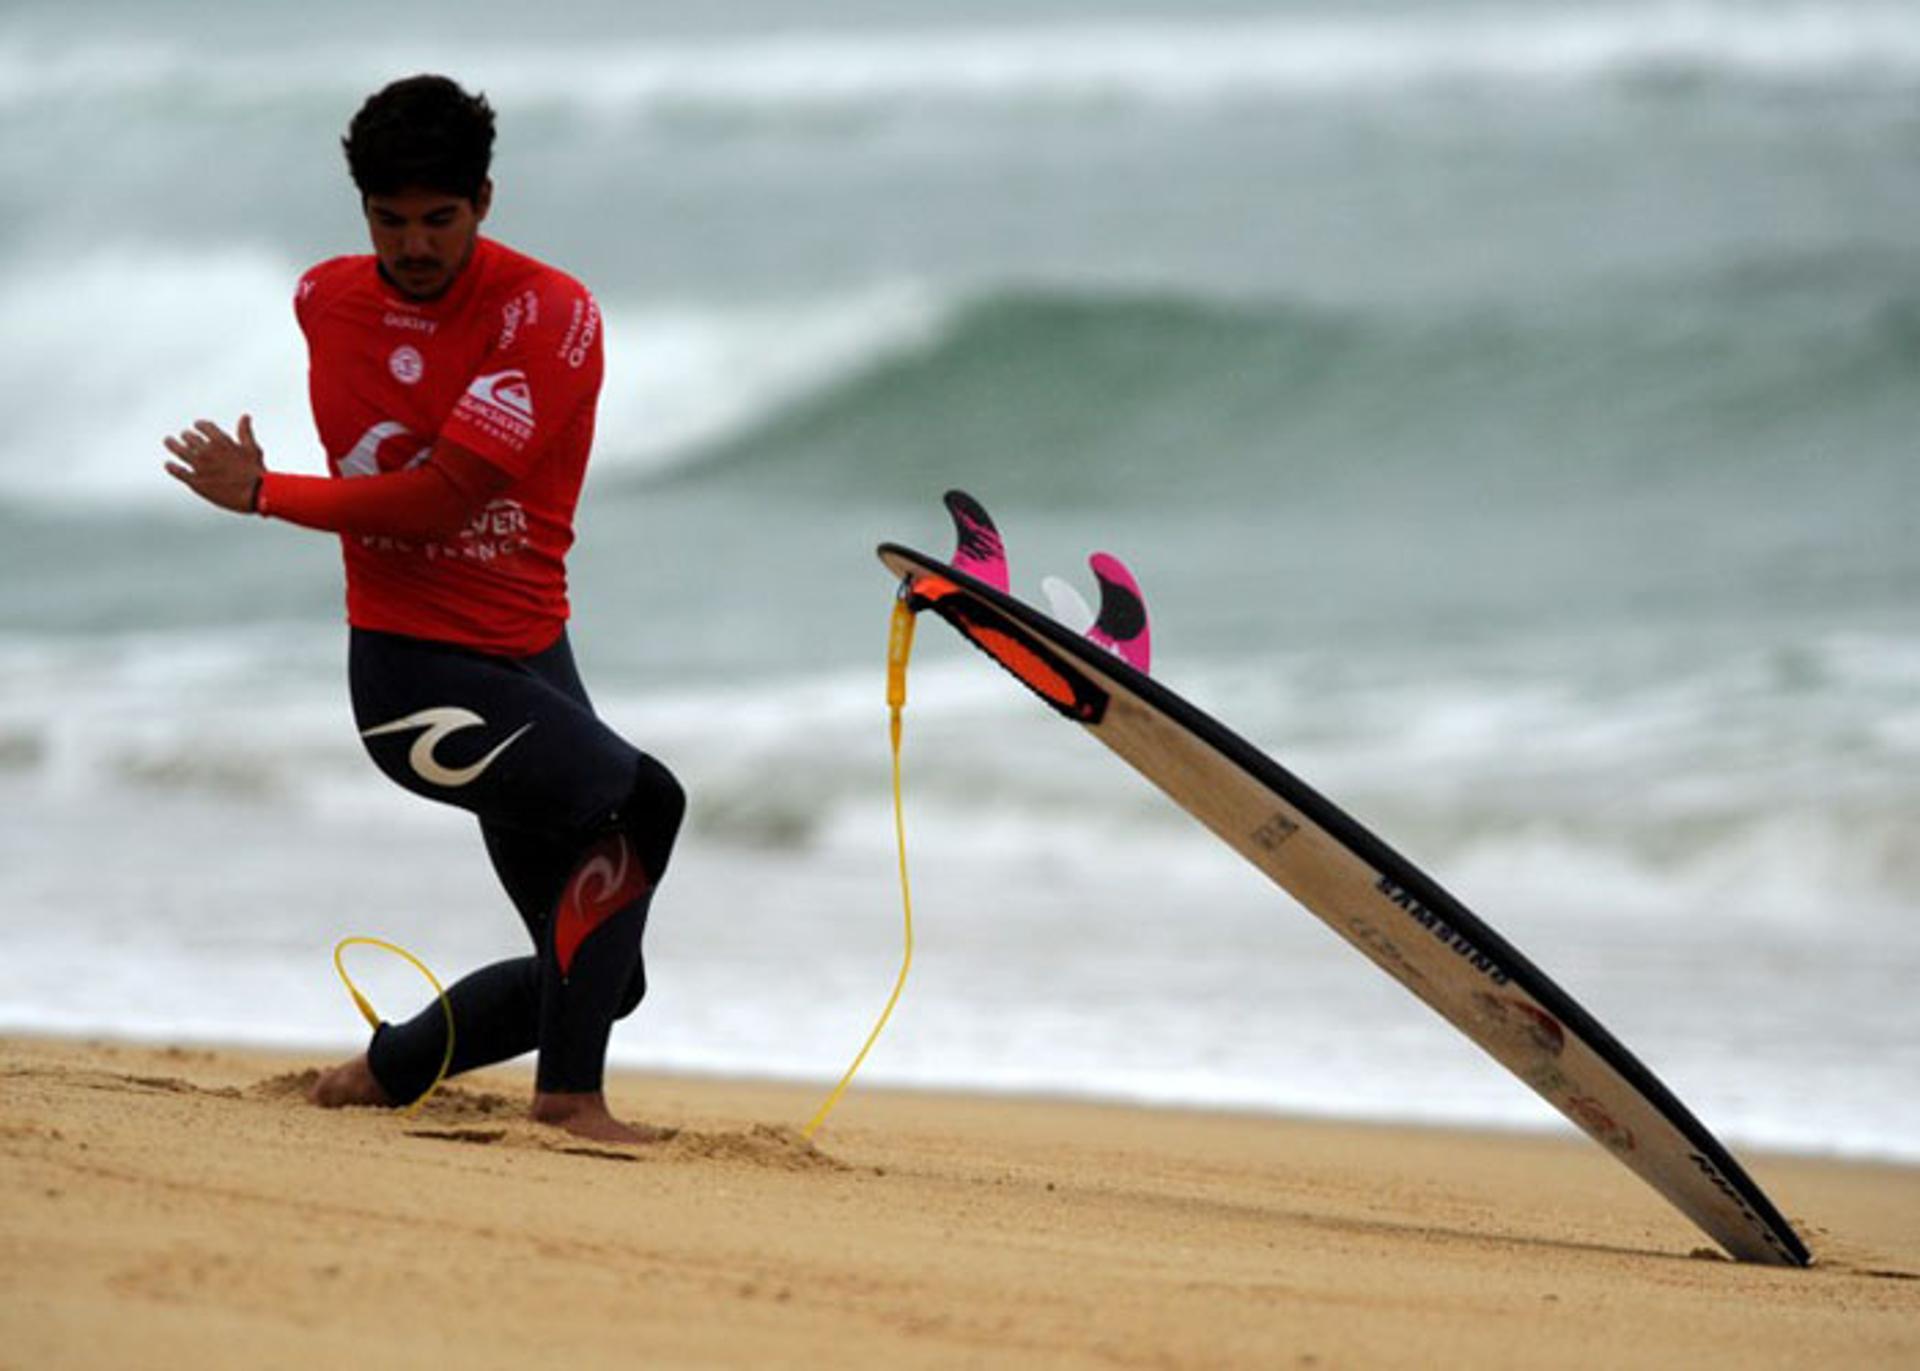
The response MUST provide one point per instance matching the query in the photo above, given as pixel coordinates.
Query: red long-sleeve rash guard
(434, 500)
(457, 432)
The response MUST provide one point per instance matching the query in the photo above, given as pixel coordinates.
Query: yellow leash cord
(899, 648)
(373, 1019)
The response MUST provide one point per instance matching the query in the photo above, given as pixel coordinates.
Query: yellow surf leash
(899, 648)
(373, 1019)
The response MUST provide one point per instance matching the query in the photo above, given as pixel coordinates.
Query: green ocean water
(1509, 410)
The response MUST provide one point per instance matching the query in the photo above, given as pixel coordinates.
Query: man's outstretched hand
(219, 469)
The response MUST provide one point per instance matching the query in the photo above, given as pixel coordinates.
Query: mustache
(416, 263)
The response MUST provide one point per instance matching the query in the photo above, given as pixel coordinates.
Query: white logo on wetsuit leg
(438, 723)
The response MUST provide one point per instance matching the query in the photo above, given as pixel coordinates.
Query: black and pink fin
(979, 551)
(1121, 625)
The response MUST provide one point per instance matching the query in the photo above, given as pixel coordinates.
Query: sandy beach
(184, 1206)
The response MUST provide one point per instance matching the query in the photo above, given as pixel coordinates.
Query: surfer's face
(424, 237)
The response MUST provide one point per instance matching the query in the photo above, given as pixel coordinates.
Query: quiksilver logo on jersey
(500, 404)
(436, 724)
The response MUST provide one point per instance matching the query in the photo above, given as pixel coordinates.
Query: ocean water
(1510, 410)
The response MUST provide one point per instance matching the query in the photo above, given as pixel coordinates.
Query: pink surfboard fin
(1121, 625)
(980, 553)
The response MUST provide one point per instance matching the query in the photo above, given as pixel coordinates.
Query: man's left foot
(351, 1082)
(585, 1115)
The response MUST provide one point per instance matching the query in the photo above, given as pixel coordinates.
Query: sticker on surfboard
(1392, 912)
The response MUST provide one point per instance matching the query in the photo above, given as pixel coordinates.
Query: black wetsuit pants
(578, 824)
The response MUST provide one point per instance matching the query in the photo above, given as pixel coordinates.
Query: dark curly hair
(421, 133)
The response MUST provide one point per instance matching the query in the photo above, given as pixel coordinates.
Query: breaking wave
(628, 73)
(1056, 394)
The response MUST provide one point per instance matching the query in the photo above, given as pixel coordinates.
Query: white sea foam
(1093, 61)
(797, 765)
(109, 352)
(1129, 985)
(1077, 933)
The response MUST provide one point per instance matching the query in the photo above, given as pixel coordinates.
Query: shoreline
(1550, 1125)
(168, 1204)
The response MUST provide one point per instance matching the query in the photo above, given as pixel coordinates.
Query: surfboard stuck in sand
(1096, 674)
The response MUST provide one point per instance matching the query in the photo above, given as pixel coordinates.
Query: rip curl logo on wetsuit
(607, 881)
(363, 459)
(438, 723)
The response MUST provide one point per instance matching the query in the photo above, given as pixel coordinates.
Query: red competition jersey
(507, 364)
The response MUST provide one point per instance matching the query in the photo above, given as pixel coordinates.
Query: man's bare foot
(585, 1115)
(350, 1082)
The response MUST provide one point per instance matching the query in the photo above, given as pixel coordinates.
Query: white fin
(1070, 607)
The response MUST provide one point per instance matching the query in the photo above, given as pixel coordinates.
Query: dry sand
(181, 1207)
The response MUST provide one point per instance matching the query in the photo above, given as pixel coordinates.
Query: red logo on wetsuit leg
(608, 879)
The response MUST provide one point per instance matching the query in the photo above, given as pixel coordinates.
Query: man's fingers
(214, 466)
